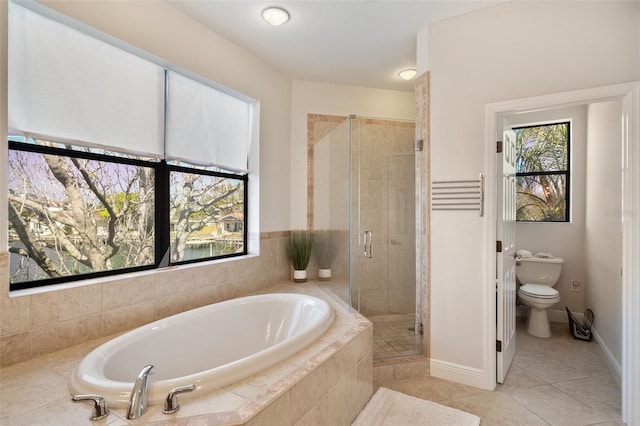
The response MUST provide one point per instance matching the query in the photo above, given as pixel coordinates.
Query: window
(73, 213)
(201, 206)
(542, 172)
(117, 164)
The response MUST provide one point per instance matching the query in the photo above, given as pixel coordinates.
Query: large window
(117, 163)
(542, 172)
(72, 213)
(75, 214)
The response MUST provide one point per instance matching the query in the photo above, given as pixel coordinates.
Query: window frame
(162, 172)
(245, 232)
(566, 173)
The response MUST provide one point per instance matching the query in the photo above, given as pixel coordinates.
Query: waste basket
(579, 330)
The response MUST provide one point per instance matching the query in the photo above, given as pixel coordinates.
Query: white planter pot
(299, 276)
(324, 274)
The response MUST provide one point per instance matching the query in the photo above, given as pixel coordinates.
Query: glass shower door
(384, 232)
(331, 208)
(364, 195)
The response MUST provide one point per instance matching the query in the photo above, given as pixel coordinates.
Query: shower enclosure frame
(326, 125)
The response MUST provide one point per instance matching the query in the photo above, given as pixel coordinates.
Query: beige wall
(603, 237)
(493, 55)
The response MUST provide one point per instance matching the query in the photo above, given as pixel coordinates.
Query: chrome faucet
(138, 400)
(100, 410)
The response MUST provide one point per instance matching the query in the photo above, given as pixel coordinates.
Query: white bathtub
(209, 347)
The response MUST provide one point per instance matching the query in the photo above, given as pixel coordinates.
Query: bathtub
(209, 347)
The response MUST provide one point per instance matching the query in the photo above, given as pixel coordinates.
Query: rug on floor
(390, 408)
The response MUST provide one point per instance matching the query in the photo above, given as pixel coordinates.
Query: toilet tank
(537, 270)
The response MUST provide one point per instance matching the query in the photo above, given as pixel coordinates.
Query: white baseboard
(459, 373)
(555, 315)
(609, 359)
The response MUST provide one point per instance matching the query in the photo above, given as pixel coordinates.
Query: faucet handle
(100, 409)
(171, 403)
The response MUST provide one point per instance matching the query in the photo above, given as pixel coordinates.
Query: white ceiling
(353, 42)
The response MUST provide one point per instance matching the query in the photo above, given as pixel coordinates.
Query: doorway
(362, 190)
(629, 96)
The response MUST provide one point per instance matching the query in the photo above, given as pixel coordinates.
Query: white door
(506, 268)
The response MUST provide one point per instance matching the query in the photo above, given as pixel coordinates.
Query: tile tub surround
(45, 321)
(328, 382)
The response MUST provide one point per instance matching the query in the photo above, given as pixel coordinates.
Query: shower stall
(364, 193)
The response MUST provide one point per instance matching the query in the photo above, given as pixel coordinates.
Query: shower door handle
(368, 244)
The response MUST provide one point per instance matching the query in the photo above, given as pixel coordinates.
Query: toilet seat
(539, 291)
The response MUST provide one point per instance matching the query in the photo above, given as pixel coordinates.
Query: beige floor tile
(540, 366)
(600, 393)
(496, 409)
(556, 407)
(586, 362)
(518, 378)
(432, 388)
(557, 381)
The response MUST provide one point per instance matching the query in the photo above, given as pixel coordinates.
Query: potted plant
(324, 249)
(299, 252)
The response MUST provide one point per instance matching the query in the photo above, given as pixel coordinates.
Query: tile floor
(393, 336)
(555, 381)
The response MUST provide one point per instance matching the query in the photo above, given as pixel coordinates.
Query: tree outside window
(75, 214)
(542, 173)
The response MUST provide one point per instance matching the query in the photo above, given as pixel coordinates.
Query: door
(505, 264)
(384, 233)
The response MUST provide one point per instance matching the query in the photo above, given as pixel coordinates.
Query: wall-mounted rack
(458, 195)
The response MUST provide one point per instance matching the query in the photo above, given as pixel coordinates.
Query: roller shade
(69, 86)
(206, 126)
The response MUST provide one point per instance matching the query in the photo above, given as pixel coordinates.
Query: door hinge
(417, 328)
(498, 346)
(499, 147)
(418, 145)
(499, 246)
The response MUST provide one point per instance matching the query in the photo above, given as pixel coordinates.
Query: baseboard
(609, 359)
(459, 373)
(558, 315)
(555, 315)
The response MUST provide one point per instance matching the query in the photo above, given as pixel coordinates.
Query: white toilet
(538, 275)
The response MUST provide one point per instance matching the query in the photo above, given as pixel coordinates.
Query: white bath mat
(391, 408)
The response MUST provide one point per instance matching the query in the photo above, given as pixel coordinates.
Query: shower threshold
(394, 336)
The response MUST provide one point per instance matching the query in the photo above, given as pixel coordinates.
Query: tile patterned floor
(393, 336)
(556, 381)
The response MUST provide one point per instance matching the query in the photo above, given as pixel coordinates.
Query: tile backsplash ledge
(41, 323)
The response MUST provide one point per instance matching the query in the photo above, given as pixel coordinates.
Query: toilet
(538, 275)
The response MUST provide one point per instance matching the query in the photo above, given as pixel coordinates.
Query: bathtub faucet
(138, 400)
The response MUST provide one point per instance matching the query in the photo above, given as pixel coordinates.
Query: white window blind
(206, 126)
(69, 86)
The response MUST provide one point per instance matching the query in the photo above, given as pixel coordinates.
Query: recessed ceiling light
(408, 74)
(275, 15)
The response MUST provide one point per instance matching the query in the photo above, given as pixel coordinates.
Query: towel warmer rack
(458, 195)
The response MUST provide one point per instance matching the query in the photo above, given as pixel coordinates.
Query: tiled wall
(328, 382)
(37, 324)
